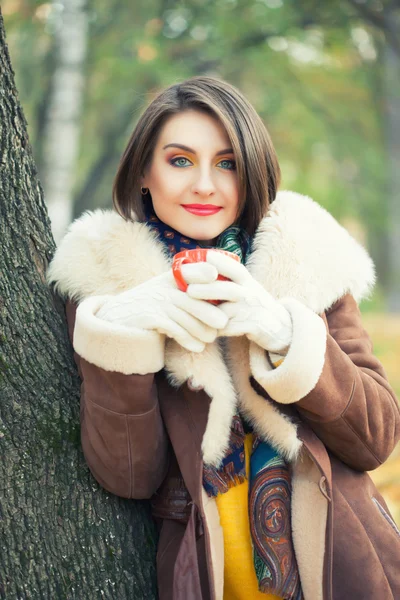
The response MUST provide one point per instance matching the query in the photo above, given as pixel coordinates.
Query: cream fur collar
(299, 251)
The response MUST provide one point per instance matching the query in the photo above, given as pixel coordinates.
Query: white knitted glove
(158, 304)
(252, 311)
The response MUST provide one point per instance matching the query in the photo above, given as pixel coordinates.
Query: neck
(207, 242)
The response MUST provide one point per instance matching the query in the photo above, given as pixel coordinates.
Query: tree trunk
(62, 536)
(391, 76)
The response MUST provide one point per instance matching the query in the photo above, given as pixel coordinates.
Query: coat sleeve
(337, 384)
(123, 437)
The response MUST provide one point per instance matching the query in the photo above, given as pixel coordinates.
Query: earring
(144, 191)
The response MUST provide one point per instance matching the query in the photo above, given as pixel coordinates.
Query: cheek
(168, 184)
(233, 195)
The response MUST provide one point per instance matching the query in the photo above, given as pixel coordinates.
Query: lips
(203, 210)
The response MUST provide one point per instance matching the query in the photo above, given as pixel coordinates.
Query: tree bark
(62, 536)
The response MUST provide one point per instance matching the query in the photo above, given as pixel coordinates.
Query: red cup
(192, 256)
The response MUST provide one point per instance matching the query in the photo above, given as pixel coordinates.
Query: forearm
(123, 436)
(336, 383)
(353, 408)
(122, 432)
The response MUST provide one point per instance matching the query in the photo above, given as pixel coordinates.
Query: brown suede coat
(141, 439)
(152, 412)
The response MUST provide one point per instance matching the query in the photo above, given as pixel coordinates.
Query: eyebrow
(183, 147)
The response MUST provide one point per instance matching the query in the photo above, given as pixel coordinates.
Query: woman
(250, 423)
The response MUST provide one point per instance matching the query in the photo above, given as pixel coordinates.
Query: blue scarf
(269, 479)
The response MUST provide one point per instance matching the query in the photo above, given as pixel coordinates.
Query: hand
(251, 310)
(159, 304)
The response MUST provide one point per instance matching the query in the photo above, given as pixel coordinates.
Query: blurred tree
(380, 19)
(63, 537)
(391, 77)
(63, 114)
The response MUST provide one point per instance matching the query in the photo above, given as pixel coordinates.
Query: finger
(199, 273)
(196, 328)
(219, 290)
(238, 321)
(203, 311)
(238, 312)
(228, 267)
(233, 330)
(230, 309)
(173, 330)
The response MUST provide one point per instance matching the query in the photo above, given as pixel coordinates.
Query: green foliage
(374, 304)
(312, 70)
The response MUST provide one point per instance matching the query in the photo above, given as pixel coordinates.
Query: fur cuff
(302, 367)
(114, 347)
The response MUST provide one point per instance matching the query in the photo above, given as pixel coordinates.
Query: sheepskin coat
(154, 413)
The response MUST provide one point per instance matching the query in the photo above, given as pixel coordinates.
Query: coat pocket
(386, 515)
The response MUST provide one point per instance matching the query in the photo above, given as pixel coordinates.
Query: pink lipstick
(202, 210)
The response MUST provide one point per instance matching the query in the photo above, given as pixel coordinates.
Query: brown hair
(256, 161)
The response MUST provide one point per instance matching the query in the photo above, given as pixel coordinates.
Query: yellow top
(240, 581)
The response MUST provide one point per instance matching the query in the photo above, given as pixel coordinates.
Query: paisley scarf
(269, 479)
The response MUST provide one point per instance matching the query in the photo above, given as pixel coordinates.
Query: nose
(204, 184)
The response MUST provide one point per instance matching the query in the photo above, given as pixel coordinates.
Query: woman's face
(193, 164)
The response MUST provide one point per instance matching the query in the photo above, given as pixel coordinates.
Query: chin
(203, 231)
(203, 236)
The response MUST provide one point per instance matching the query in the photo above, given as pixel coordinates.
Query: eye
(179, 161)
(230, 165)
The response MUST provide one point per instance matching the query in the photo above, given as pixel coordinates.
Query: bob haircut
(256, 161)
